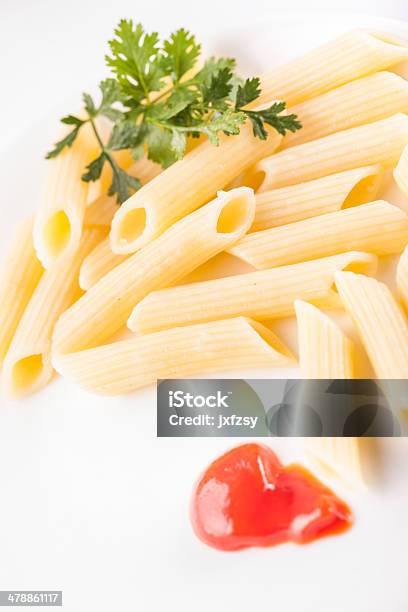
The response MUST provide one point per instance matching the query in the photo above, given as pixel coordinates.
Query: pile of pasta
(300, 210)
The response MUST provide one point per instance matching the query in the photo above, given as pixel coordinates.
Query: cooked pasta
(401, 172)
(348, 57)
(124, 366)
(377, 227)
(185, 186)
(27, 365)
(58, 223)
(193, 240)
(379, 320)
(324, 350)
(261, 295)
(19, 275)
(380, 142)
(362, 101)
(103, 208)
(323, 195)
(99, 262)
(402, 277)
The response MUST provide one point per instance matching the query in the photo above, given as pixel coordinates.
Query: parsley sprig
(154, 103)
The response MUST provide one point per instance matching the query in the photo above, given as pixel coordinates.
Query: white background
(90, 501)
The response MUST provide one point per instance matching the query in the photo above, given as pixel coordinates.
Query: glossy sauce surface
(248, 498)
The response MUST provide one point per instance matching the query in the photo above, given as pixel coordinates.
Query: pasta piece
(102, 209)
(185, 186)
(323, 195)
(324, 351)
(262, 295)
(379, 320)
(124, 366)
(380, 142)
(98, 263)
(342, 458)
(187, 244)
(401, 172)
(19, 275)
(378, 227)
(402, 277)
(58, 223)
(348, 57)
(363, 101)
(27, 365)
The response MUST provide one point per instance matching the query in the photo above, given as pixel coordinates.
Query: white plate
(94, 504)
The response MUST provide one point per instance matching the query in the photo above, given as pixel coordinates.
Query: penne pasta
(27, 365)
(98, 263)
(362, 101)
(377, 227)
(103, 208)
(124, 366)
(185, 186)
(187, 244)
(401, 172)
(379, 320)
(348, 57)
(324, 350)
(261, 295)
(402, 277)
(58, 223)
(380, 142)
(19, 275)
(323, 195)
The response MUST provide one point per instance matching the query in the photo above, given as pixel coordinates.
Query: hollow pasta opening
(57, 233)
(253, 178)
(269, 338)
(132, 225)
(233, 215)
(390, 39)
(362, 192)
(26, 372)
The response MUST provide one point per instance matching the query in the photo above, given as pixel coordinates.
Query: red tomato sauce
(248, 498)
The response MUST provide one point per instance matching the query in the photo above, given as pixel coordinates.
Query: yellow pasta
(124, 366)
(103, 208)
(58, 223)
(380, 142)
(27, 365)
(363, 101)
(379, 320)
(323, 195)
(187, 244)
(262, 295)
(401, 172)
(185, 186)
(324, 350)
(402, 277)
(377, 227)
(98, 263)
(352, 55)
(19, 275)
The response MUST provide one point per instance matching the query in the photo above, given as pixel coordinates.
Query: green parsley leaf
(160, 146)
(248, 92)
(136, 60)
(124, 135)
(272, 116)
(69, 139)
(89, 105)
(94, 169)
(110, 95)
(180, 54)
(123, 184)
(228, 122)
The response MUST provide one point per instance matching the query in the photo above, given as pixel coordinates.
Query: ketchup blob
(248, 498)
